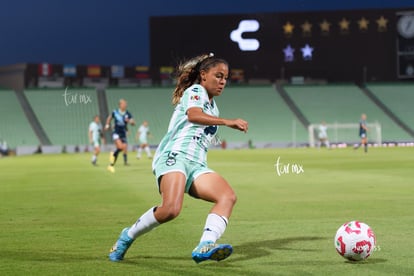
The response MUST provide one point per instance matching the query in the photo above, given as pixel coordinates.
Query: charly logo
(246, 26)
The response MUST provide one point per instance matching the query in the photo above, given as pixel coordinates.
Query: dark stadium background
(108, 50)
(117, 32)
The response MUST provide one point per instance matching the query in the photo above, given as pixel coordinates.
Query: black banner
(334, 46)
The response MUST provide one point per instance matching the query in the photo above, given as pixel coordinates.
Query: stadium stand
(399, 98)
(269, 119)
(151, 104)
(342, 104)
(65, 119)
(14, 126)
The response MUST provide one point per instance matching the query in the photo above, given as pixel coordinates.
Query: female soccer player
(95, 133)
(180, 163)
(142, 137)
(363, 129)
(121, 117)
(323, 135)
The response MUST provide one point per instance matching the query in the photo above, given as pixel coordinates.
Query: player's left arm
(137, 135)
(108, 121)
(130, 120)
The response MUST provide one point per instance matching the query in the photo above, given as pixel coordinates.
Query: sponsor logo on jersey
(195, 97)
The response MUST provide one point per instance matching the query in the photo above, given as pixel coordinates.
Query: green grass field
(59, 215)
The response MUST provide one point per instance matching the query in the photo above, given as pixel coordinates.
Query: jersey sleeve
(194, 96)
(128, 115)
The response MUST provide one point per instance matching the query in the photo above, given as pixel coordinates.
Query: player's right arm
(90, 136)
(197, 116)
(194, 99)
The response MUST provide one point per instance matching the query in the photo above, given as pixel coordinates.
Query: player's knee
(233, 198)
(230, 198)
(169, 212)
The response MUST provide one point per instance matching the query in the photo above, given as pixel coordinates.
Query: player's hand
(107, 126)
(239, 124)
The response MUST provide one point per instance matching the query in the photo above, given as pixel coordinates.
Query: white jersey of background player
(142, 136)
(323, 135)
(94, 133)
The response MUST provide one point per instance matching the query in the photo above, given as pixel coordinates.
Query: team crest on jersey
(171, 159)
(170, 162)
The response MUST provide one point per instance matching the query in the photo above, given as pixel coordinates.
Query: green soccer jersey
(96, 130)
(186, 138)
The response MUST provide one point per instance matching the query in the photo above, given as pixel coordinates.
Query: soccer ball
(355, 241)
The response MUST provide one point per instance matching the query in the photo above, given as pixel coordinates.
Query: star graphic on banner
(363, 24)
(289, 53)
(325, 25)
(288, 28)
(307, 52)
(306, 27)
(382, 24)
(344, 24)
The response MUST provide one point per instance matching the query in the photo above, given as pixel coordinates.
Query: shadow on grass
(242, 252)
(246, 251)
(369, 261)
(258, 249)
(58, 257)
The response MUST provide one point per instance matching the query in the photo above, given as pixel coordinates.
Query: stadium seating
(150, 104)
(64, 119)
(14, 126)
(342, 104)
(398, 98)
(269, 118)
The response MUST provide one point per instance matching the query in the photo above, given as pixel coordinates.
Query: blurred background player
(323, 135)
(121, 118)
(95, 134)
(363, 129)
(4, 148)
(142, 136)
